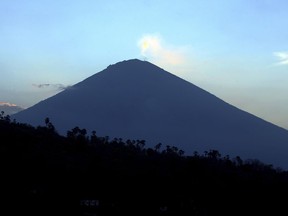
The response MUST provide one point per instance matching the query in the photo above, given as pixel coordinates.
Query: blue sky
(236, 50)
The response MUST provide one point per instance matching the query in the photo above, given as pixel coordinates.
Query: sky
(236, 50)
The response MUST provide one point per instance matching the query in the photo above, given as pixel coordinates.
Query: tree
(49, 125)
(4, 117)
(158, 146)
(93, 137)
(181, 152)
(78, 135)
(214, 154)
(140, 144)
(239, 161)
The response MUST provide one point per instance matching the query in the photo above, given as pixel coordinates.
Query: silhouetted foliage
(49, 125)
(44, 173)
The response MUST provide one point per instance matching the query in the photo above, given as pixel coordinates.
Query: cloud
(282, 57)
(7, 104)
(154, 49)
(9, 108)
(59, 87)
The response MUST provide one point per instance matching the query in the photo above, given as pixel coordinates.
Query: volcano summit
(137, 100)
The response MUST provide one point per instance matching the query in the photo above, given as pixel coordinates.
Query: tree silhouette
(157, 147)
(49, 125)
(50, 172)
(214, 154)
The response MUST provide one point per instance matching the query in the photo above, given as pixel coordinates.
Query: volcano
(135, 99)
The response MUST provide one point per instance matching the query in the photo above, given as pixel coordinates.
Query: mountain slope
(138, 100)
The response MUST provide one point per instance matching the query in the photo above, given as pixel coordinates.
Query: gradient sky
(235, 49)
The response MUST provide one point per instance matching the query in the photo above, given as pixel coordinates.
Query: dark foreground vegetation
(43, 173)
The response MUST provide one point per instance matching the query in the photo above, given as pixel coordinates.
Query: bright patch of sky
(236, 49)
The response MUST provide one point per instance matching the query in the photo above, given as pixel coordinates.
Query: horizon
(234, 50)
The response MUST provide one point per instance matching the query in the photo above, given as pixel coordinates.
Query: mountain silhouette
(135, 99)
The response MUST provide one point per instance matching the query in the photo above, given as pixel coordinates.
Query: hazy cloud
(59, 87)
(153, 47)
(282, 57)
(9, 108)
(7, 104)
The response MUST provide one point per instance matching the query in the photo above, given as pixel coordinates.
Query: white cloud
(282, 57)
(7, 104)
(178, 60)
(154, 49)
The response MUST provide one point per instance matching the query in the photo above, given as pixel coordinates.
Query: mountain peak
(128, 73)
(135, 99)
(130, 61)
(132, 64)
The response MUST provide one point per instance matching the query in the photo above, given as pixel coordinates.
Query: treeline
(43, 173)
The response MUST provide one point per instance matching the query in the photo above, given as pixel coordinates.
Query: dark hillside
(43, 173)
